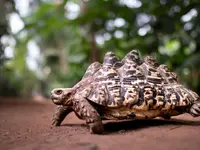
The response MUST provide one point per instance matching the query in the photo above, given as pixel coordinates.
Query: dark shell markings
(130, 88)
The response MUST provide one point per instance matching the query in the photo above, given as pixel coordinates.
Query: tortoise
(130, 88)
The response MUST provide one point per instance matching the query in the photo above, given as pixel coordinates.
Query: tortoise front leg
(86, 111)
(60, 114)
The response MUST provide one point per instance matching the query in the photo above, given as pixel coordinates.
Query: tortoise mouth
(56, 100)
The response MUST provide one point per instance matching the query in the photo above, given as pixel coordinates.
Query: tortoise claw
(195, 110)
(56, 122)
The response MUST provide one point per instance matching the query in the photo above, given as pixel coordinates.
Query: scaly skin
(82, 108)
(60, 114)
(195, 110)
(86, 111)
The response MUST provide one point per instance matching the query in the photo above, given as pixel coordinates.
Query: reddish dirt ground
(26, 125)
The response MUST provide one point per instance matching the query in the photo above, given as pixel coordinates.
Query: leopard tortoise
(130, 88)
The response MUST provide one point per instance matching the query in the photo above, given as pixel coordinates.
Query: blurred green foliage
(166, 29)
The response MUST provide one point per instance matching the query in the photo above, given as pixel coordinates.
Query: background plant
(70, 34)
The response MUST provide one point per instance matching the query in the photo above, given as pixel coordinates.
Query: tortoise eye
(58, 92)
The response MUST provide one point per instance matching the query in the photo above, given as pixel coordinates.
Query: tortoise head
(62, 96)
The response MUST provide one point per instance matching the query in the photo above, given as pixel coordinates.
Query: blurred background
(45, 44)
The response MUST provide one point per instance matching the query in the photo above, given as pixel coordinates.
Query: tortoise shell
(134, 84)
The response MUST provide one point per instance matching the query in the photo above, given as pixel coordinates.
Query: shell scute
(108, 79)
(94, 67)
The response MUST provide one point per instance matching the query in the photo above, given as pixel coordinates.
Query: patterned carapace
(134, 83)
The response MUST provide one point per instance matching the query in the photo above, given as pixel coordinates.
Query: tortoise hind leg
(60, 114)
(85, 110)
(195, 110)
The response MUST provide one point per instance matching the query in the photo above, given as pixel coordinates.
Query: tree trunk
(94, 51)
(63, 58)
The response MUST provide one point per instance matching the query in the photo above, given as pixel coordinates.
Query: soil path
(26, 125)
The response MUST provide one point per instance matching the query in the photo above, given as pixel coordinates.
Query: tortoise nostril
(58, 92)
